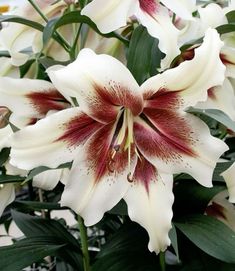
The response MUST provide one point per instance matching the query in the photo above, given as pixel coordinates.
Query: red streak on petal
(186, 55)
(79, 129)
(148, 6)
(173, 128)
(163, 99)
(167, 145)
(145, 173)
(215, 210)
(211, 93)
(225, 60)
(117, 95)
(99, 154)
(47, 100)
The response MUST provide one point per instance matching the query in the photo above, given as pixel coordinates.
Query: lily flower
(150, 13)
(229, 177)
(127, 140)
(15, 38)
(212, 16)
(7, 195)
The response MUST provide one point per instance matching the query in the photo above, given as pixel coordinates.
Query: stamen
(129, 178)
(116, 148)
(4, 8)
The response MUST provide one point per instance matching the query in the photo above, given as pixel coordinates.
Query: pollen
(4, 8)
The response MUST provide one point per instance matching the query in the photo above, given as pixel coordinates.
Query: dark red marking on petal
(168, 144)
(98, 154)
(79, 129)
(225, 60)
(115, 95)
(211, 93)
(44, 101)
(148, 6)
(163, 99)
(32, 121)
(173, 127)
(216, 210)
(145, 173)
(186, 55)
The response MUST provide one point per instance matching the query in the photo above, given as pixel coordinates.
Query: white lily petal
(51, 141)
(89, 198)
(100, 83)
(173, 150)
(7, 195)
(191, 79)
(11, 170)
(223, 210)
(153, 210)
(211, 16)
(228, 58)
(29, 97)
(221, 98)
(159, 25)
(182, 8)
(109, 15)
(93, 188)
(20, 38)
(7, 69)
(47, 180)
(5, 134)
(229, 177)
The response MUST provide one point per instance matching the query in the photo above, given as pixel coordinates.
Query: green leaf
(143, 55)
(48, 62)
(36, 206)
(218, 115)
(174, 241)
(231, 17)
(20, 20)
(126, 250)
(49, 30)
(11, 179)
(75, 17)
(210, 235)
(36, 226)
(27, 251)
(226, 28)
(41, 169)
(4, 54)
(191, 197)
(4, 154)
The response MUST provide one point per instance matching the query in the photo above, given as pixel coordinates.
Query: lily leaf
(210, 235)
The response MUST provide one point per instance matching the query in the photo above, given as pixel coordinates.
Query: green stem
(162, 261)
(64, 43)
(84, 243)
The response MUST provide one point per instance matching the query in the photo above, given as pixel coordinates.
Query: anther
(129, 179)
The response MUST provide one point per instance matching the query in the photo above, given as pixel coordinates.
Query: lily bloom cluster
(125, 140)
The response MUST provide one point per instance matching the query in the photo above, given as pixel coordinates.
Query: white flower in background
(220, 208)
(212, 15)
(18, 37)
(7, 195)
(124, 138)
(229, 177)
(28, 101)
(150, 13)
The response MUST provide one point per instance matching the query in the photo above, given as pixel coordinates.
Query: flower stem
(162, 261)
(84, 243)
(64, 43)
